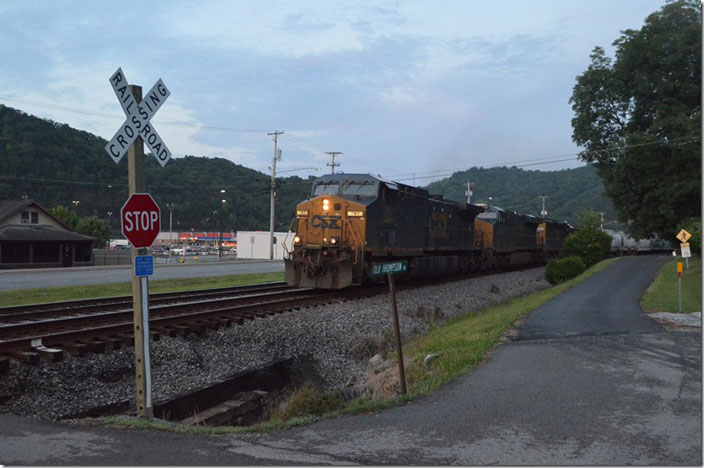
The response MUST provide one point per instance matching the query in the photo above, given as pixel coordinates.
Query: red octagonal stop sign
(141, 220)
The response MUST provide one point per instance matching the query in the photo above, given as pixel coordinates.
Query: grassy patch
(94, 291)
(661, 296)
(308, 401)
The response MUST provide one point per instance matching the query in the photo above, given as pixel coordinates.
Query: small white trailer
(255, 244)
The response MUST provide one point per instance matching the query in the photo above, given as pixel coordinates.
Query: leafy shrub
(563, 269)
(589, 243)
(308, 401)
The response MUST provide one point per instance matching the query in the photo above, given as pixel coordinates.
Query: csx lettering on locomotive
(326, 222)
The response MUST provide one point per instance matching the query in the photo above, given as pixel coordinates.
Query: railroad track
(15, 314)
(28, 333)
(111, 326)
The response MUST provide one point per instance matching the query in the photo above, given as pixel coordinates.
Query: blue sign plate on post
(143, 265)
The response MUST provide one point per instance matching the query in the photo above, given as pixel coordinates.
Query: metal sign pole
(135, 165)
(144, 280)
(679, 287)
(397, 331)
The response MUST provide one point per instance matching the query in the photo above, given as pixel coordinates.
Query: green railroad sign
(390, 268)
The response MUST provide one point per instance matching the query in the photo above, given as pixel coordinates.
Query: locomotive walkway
(588, 380)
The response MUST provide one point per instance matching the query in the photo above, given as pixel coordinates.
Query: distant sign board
(143, 265)
(683, 235)
(392, 268)
(686, 252)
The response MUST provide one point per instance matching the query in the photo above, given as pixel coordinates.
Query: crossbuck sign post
(129, 140)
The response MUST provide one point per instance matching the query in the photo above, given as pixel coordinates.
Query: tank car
(352, 221)
(617, 241)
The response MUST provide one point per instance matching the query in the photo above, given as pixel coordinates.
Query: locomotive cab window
(332, 189)
(365, 189)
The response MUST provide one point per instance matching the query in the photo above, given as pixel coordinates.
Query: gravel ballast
(331, 344)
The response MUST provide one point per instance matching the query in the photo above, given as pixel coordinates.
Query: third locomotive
(353, 221)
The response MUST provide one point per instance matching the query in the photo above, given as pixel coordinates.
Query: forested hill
(55, 164)
(568, 192)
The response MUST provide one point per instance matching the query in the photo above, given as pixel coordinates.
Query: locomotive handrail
(354, 238)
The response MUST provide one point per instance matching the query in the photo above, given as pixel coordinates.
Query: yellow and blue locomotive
(353, 221)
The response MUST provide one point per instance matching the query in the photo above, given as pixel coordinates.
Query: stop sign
(141, 220)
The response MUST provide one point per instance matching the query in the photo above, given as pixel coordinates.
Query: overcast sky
(402, 88)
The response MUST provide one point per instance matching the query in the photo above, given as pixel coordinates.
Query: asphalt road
(589, 380)
(51, 277)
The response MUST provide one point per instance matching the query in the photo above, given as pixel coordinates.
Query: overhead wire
(311, 146)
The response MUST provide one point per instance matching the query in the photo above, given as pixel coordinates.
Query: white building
(255, 244)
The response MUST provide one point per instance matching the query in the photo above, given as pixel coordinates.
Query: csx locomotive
(353, 221)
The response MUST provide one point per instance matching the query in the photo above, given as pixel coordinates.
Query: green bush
(589, 243)
(308, 401)
(563, 269)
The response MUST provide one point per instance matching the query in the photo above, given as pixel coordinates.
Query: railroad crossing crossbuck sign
(141, 220)
(138, 117)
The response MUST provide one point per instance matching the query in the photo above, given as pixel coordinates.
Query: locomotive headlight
(297, 240)
(326, 204)
(355, 214)
(333, 240)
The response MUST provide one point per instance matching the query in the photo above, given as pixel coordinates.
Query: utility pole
(170, 206)
(333, 163)
(601, 213)
(543, 213)
(277, 156)
(469, 192)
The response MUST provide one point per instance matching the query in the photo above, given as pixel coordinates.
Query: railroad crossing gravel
(330, 344)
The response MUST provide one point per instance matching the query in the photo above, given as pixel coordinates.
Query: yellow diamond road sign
(683, 235)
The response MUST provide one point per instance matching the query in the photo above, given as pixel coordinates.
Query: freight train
(623, 244)
(352, 222)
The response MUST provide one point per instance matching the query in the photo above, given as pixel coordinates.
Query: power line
(116, 117)
(575, 155)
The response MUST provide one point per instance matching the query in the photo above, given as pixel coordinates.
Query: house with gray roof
(31, 237)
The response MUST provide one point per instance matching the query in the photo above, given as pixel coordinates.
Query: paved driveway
(589, 380)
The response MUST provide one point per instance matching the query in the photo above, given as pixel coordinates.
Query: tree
(589, 243)
(94, 227)
(68, 217)
(639, 118)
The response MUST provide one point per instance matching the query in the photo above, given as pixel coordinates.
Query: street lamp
(302, 169)
(75, 203)
(170, 207)
(222, 214)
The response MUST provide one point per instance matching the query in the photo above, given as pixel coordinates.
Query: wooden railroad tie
(4, 364)
(27, 357)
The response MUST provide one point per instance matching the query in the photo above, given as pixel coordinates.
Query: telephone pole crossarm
(333, 164)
